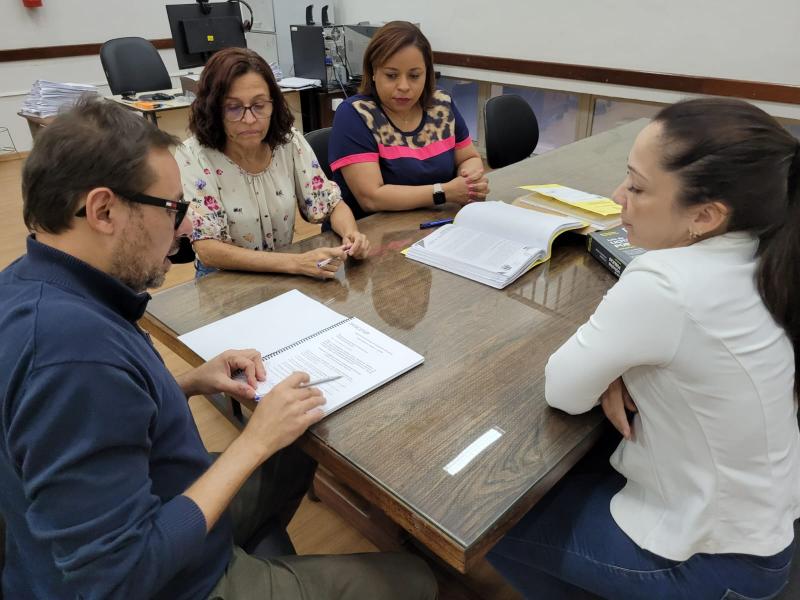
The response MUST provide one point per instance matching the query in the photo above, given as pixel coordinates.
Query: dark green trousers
(260, 512)
(372, 576)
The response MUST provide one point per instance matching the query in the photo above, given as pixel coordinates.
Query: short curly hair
(206, 122)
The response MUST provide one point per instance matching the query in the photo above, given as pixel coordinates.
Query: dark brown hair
(95, 144)
(206, 121)
(386, 42)
(730, 151)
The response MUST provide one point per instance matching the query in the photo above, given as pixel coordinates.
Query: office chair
(318, 140)
(185, 253)
(132, 64)
(512, 130)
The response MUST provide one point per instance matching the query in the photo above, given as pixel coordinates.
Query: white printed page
(475, 248)
(364, 357)
(526, 227)
(268, 326)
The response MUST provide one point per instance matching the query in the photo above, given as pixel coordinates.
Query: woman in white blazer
(698, 341)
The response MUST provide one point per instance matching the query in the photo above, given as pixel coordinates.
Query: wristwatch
(438, 194)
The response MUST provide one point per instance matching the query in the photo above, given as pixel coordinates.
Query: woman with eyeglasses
(246, 169)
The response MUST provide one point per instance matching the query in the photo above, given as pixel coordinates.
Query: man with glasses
(105, 486)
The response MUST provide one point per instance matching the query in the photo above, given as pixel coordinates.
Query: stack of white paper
(297, 83)
(47, 98)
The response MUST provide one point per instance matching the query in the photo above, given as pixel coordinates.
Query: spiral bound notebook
(296, 333)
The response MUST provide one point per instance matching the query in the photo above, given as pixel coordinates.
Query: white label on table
(468, 454)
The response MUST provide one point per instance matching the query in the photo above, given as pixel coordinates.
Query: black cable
(343, 59)
(248, 25)
(340, 83)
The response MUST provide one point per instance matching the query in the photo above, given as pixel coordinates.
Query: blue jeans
(569, 546)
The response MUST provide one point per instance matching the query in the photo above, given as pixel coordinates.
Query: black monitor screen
(197, 36)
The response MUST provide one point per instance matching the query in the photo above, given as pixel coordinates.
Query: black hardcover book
(612, 248)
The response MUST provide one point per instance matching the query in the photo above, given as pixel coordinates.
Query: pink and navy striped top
(363, 133)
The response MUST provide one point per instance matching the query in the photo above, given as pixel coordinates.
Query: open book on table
(492, 242)
(296, 333)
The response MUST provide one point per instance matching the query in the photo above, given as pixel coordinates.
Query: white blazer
(715, 463)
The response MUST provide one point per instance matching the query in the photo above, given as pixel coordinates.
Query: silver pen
(320, 381)
(258, 397)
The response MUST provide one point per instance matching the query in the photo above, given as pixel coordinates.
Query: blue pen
(430, 224)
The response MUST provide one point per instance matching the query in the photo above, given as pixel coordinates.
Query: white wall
(735, 39)
(738, 39)
(63, 22)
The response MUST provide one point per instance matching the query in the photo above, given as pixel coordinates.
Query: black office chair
(318, 140)
(512, 130)
(185, 253)
(132, 64)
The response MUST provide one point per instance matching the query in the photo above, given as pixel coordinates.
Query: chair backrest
(512, 130)
(132, 64)
(185, 253)
(318, 140)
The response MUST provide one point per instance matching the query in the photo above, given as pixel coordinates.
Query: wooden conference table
(485, 351)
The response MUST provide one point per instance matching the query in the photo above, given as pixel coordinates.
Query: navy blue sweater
(97, 444)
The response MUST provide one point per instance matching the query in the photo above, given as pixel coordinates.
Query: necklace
(406, 122)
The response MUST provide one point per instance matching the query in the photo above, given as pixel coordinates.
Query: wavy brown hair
(206, 121)
(387, 41)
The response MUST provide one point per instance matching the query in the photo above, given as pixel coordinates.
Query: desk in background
(170, 115)
(36, 124)
(160, 107)
(485, 352)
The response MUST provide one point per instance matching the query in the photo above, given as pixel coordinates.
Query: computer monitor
(356, 40)
(198, 35)
(308, 52)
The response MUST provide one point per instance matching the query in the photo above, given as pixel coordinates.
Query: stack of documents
(492, 242)
(276, 70)
(597, 211)
(47, 98)
(298, 83)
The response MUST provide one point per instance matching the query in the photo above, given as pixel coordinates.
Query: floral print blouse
(254, 210)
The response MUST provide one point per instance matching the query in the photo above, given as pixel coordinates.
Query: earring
(693, 235)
